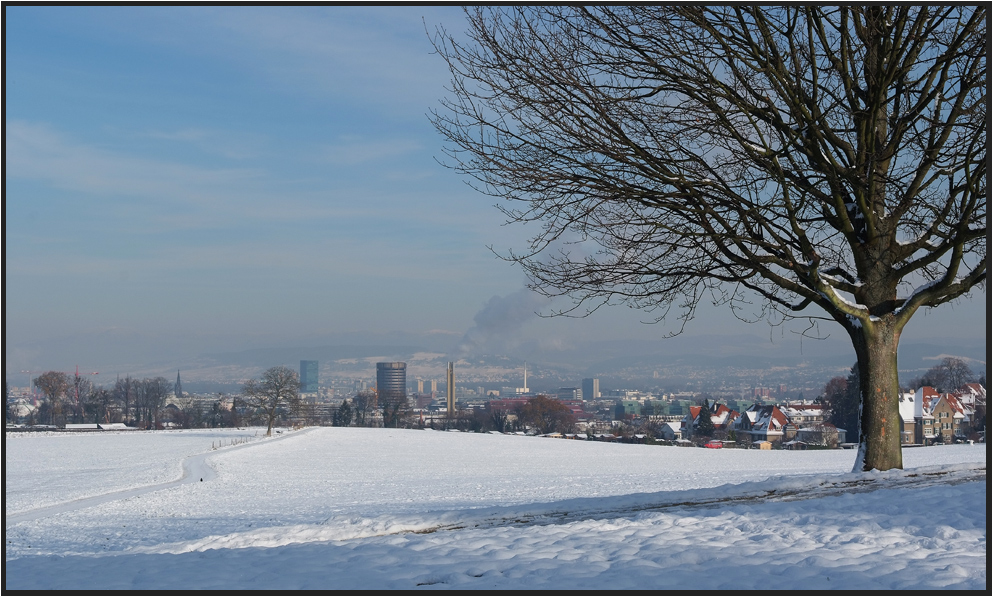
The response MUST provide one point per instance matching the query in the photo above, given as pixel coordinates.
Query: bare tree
(547, 415)
(151, 397)
(948, 375)
(124, 396)
(395, 408)
(79, 394)
(277, 392)
(54, 385)
(364, 405)
(191, 411)
(98, 405)
(828, 161)
(499, 419)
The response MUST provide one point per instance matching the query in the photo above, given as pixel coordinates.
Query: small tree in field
(277, 391)
(820, 162)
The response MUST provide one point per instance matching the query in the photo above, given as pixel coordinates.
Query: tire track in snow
(195, 469)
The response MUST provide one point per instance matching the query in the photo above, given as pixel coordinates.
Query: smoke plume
(500, 321)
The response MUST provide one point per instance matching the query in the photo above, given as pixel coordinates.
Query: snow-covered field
(50, 468)
(333, 508)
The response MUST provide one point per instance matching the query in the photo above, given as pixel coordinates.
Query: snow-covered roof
(763, 418)
(907, 407)
(955, 404)
(923, 398)
(977, 389)
(803, 410)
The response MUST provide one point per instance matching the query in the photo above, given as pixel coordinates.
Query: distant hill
(694, 361)
(268, 357)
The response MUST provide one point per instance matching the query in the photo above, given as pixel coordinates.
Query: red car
(715, 444)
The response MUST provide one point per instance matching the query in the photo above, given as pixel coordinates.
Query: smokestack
(450, 389)
(525, 377)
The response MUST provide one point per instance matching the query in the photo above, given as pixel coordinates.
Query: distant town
(779, 417)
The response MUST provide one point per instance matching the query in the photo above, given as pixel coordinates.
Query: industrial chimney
(450, 389)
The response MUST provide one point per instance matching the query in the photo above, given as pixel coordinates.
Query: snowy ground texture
(347, 509)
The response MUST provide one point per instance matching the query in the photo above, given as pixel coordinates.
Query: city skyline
(184, 180)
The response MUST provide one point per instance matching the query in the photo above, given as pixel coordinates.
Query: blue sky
(245, 175)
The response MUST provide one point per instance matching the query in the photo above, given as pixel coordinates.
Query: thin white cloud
(36, 151)
(364, 54)
(234, 146)
(371, 55)
(352, 152)
(188, 196)
(169, 193)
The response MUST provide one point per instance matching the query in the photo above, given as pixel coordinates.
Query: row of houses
(928, 417)
(791, 424)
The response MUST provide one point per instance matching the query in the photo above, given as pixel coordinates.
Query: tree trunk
(879, 412)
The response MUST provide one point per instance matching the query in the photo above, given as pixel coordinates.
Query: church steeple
(178, 390)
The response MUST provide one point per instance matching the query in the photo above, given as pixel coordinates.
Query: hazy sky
(254, 173)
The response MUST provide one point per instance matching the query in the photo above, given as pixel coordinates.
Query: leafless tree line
(69, 398)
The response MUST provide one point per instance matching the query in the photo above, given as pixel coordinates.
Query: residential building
(943, 417)
(908, 432)
(670, 431)
(950, 417)
(806, 414)
(821, 434)
(763, 422)
(720, 415)
(924, 428)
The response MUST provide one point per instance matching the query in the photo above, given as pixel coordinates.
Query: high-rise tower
(308, 377)
(591, 388)
(391, 381)
(391, 391)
